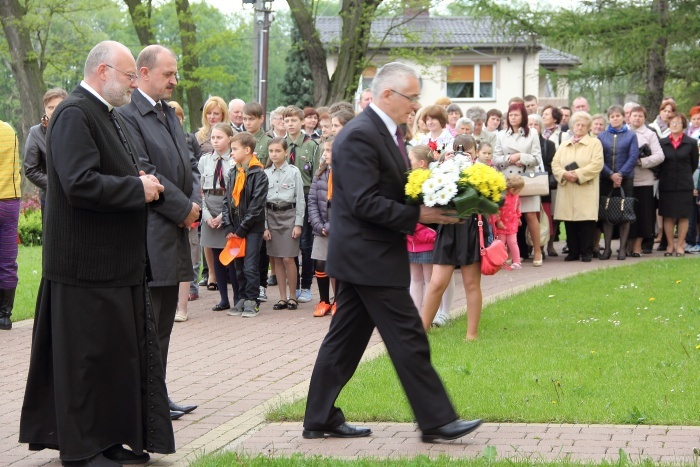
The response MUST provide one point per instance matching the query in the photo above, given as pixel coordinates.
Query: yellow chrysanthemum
(416, 178)
(488, 181)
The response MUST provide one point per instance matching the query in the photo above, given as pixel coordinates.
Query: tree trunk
(190, 62)
(656, 67)
(141, 18)
(357, 20)
(314, 50)
(25, 67)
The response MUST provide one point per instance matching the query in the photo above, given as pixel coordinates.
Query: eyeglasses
(132, 76)
(675, 123)
(412, 99)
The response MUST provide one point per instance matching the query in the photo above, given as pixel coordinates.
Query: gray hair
(477, 114)
(392, 75)
(237, 101)
(538, 119)
(464, 121)
(630, 105)
(101, 53)
(277, 112)
(148, 58)
(581, 115)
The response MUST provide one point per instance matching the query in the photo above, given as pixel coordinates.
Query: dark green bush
(30, 228)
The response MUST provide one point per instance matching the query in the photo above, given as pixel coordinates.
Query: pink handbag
(492, 257)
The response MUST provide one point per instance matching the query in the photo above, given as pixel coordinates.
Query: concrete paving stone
(235, 370)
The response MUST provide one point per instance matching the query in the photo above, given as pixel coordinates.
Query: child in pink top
(506, 222)
(420, 244)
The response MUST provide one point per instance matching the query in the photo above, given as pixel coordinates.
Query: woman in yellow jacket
(9, 216)
(576, 166)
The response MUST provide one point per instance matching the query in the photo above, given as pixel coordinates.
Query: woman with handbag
(620, 153)
(518, 151)
(676, 181)
(576, 166)
(548, 148)
(650, 156)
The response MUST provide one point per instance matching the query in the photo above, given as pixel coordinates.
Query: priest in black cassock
(95, 376)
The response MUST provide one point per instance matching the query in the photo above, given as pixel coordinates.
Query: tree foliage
(639, 47)
(298, 85)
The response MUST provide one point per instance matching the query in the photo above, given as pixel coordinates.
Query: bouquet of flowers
(457, 184)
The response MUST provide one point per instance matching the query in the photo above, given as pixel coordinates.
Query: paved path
(237, 368)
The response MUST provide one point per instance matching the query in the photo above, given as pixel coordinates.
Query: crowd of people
(239, 206)
(657, 170)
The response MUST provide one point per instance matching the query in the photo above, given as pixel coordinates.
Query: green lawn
(617, 345)
(29, 261)
(488, 459)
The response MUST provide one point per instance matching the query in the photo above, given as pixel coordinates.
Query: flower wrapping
(457, 184)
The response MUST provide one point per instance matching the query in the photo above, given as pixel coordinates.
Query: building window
(367, 77)
(470, 82)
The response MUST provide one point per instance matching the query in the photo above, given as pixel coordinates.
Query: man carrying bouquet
(367, 256)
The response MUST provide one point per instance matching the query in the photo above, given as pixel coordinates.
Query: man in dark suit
(367, 256)
(162, 147)
(95, 374)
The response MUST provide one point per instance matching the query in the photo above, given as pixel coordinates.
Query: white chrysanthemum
(462, 161)
(443, 197)
(430, 199)
(429, 186)
(450, 189)
(441, 179)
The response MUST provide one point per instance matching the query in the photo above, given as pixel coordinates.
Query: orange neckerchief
(240, 179)
(330, 184)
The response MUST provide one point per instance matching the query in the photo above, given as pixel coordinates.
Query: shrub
(30, 228)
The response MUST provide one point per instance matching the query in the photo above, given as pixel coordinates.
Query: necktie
(238, 187)
(292, 153)
(219, 174)
(402, 148)
(330, 184)
(161, 114)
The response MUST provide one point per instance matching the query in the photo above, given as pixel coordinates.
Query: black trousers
(391, 310)
(164, 301)
(579, 238)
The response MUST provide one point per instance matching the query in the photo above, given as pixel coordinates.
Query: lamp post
(261, 30)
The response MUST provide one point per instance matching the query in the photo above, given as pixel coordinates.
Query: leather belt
(281, 207)
(219, 192)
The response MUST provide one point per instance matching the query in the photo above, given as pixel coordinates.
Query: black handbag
(616, 209)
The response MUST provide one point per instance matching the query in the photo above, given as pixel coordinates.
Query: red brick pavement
(237, 368)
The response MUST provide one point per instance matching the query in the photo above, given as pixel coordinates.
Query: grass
(29, 261)
(618, 346)
(488, 459)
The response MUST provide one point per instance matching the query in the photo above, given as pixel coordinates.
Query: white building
(466, 59)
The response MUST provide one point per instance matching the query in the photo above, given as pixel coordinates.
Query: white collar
(148, 98)
(388, 121)
(96, 94)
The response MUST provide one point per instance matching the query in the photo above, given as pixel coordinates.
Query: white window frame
(477, 82)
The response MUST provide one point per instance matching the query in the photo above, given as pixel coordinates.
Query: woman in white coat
(518, 151)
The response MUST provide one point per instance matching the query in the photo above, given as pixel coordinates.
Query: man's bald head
(110, 70)
(104, 52)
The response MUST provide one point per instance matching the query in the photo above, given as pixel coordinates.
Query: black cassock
(95, 376)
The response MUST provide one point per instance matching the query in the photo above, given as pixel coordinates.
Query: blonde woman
(215, 111)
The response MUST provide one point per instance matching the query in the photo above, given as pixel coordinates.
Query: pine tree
(298, 85)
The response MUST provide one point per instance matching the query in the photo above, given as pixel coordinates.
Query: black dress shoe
(219, 307)
(571, 258)
(181, 408)
(95, 461)
(586, 259)
(121, 455)
(175, 414)
(342, 431)
(452, 430)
